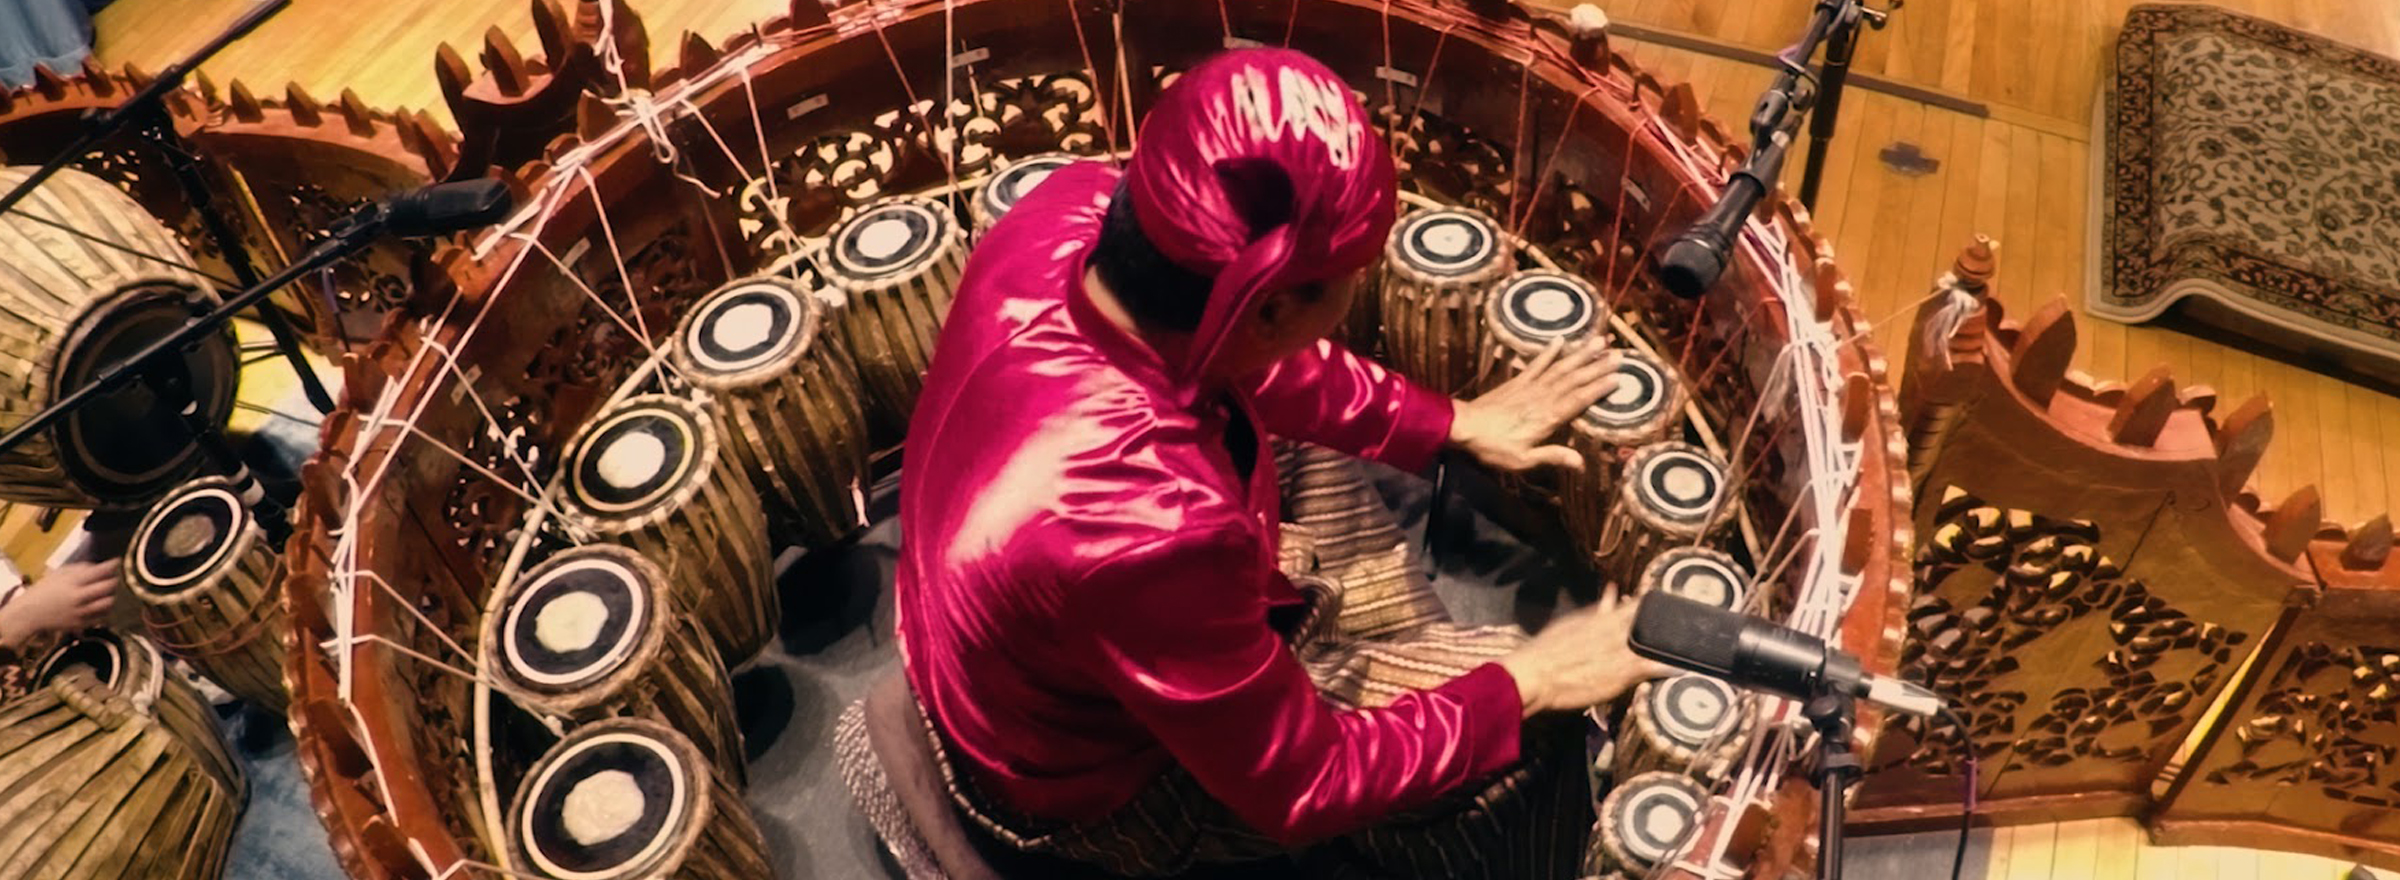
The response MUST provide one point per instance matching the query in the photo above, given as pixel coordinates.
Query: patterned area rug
(2256, 170)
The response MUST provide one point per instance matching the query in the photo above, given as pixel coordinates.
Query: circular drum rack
(432, 485)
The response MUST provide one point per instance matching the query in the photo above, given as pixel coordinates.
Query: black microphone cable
(1966, 812)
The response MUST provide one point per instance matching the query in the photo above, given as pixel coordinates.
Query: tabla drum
(1669, 494)
(1002, 190)
(1644, 821)
(789, 398)
(1641, 409)
(652, 473)
(631, 799)
(1701, 574)
(1529, 312)
(70, 308)
(897, 261)
(1438, 268)
(1690, 724)
(114, 768)
(594, 632)
(210, 585)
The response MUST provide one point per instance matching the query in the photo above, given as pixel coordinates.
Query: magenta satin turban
(1259, 168)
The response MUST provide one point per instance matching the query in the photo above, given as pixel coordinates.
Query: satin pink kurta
(1084, 577)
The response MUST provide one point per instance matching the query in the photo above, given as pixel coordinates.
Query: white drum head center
(1549, 304)
(1627, 393)
(1700, 703)
(1662, 821)
(743, 327)
(632, 460)
(191, 534)
(1685, 482)
(1448, 241)
(601, 807)
(1034, 178)
(882, 238)
(570, 622)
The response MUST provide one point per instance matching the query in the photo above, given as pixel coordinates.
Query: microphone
(444, 208)
(1692, 263)
(1754, 653)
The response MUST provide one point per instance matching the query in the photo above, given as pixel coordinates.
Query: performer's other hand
(69, 598)
(1582, 659)
(1510, 427)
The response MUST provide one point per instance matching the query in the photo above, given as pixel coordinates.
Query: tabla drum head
(1446, 243)
(640, 456)
(1691, 710)
(127, 446)
(188, 537)
(1700, 574)
(1676, 487)
(747, 332)
(1646, 818)
(894, 237)
(620, 798)
(1642, 402)
(1002, 191)
(1534, 309)
(575, 620)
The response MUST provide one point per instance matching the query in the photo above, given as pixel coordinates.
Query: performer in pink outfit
(1088, 588)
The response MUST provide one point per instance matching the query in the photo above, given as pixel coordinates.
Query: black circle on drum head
(131, 443)
(162, 563)
(1641, 835)
(1659, 482)
(1448, 243)
(541, 667)
(1636, 398)
(1679, 703)
(709, 348)
(646, 761)
(921, 226)
(671, 429)
(1518, 310)
(1010, 186)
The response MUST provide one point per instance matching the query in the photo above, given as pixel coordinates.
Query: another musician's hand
(1510, 427)
(1582, 659)
(69, 598)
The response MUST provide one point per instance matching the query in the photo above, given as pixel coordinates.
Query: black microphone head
(444, 208)
(1688, 635)
(1690, 266)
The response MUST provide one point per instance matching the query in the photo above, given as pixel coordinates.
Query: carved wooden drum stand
(653, 473)
(69, 309)
(115, 770)
(789, 398)
(1437, 270)
(211, 587)
(594, 632)
(627, 799)
(516, 365)
(897, 262)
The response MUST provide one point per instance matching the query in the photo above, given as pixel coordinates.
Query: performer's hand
(1509, 427)
(68, 598)
(1580, 660)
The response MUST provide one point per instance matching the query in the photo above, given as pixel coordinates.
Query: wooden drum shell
(708, 533)
(796, 427)
(1620, 845)
(672, 674)
(65, 294)
(227, 620)
(1602, 435)
(115, 779)
(1644, 743)
(1432, 319)
(891, 318)
(716, 839)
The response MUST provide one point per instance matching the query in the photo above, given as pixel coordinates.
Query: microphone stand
(1834, 715)
(1693, 262)
(145, 111)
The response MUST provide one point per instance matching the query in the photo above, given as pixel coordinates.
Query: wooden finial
(2143, 414)
(552, 27)
(49, 83)
(506, 65)
(451, 75)
(2045, 348)
(2370, 545)
(1587, 29)
(355, 114)
(2241, 442)
(243, 105)
(1977, 264)
(697, 54)
(2291, 525)
(304, 109)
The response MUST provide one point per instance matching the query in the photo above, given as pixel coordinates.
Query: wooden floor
(2019, 173)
